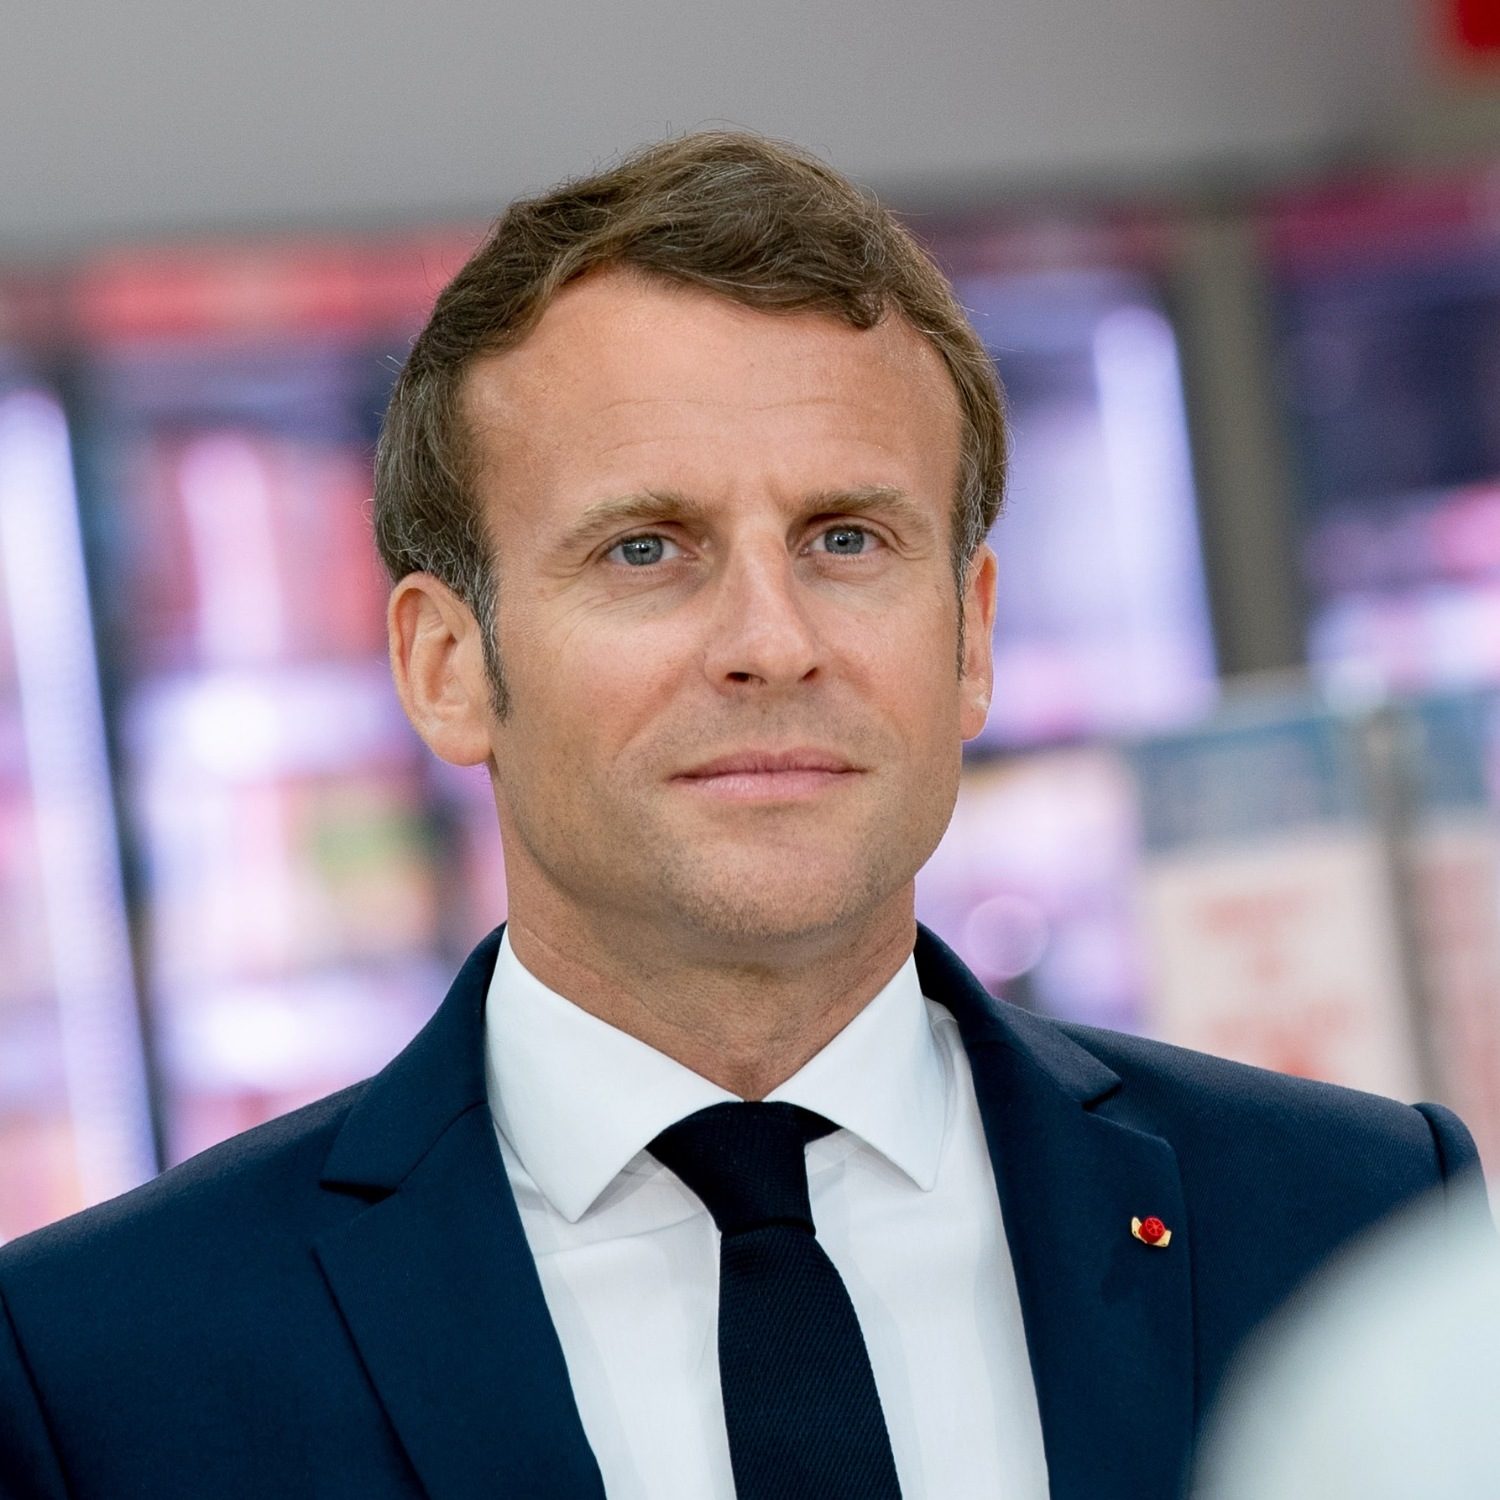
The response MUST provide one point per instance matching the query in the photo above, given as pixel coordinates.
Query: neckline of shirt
(578, 1100)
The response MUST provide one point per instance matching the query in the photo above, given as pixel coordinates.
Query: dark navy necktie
(800, 1403)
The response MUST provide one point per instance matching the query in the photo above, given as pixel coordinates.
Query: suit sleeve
(29, 1467)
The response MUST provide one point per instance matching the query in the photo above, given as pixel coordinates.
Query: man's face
(726, 612)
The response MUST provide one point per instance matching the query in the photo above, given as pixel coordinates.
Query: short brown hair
(760, 222)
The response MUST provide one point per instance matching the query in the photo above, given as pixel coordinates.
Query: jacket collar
(416, 1097)
(441, 1295)
(983, 1019)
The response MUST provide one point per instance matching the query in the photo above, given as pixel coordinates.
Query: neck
(746, 1023)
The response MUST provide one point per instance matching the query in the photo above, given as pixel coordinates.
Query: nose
(761, 633)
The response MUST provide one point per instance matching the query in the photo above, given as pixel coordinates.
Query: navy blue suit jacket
(341, 1303)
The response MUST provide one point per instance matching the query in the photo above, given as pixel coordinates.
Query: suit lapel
(1108, 1319)
(435, 1279)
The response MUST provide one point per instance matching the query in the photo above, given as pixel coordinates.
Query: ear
(438, 667)
(977, 677)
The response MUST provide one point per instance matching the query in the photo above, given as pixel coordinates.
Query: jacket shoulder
(266, 1176)
(1238, 1115)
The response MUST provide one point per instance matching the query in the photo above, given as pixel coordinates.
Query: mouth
(769, 776)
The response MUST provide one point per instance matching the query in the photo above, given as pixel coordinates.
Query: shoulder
(1179, 1078)
(1233, 1114)
(249, 1188)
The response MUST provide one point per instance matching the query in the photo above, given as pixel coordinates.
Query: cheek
(915, 660)
(594, 686)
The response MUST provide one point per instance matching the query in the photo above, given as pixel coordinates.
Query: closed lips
(762, 763)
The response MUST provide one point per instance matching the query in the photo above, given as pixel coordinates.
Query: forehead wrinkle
(698, 397)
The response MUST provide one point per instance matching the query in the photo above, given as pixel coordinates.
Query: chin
(787, 904)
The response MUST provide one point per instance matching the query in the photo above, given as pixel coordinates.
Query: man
(712, 1175)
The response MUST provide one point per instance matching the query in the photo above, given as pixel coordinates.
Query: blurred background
(1239, 266)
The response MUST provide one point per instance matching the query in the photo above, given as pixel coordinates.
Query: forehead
(624, 375)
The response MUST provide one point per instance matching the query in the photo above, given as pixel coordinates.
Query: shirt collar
(577, 1099)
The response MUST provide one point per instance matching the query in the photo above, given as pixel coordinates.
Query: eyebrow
(643, 507)
(873, 500)
(646, 506)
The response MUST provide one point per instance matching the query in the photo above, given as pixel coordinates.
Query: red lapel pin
(1151, 1232)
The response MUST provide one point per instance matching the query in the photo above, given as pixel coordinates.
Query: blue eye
(640, 551)
(845, 541)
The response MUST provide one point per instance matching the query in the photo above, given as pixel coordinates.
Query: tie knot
(746, 1162)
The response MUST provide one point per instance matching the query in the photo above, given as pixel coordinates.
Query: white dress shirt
(903, 1198)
